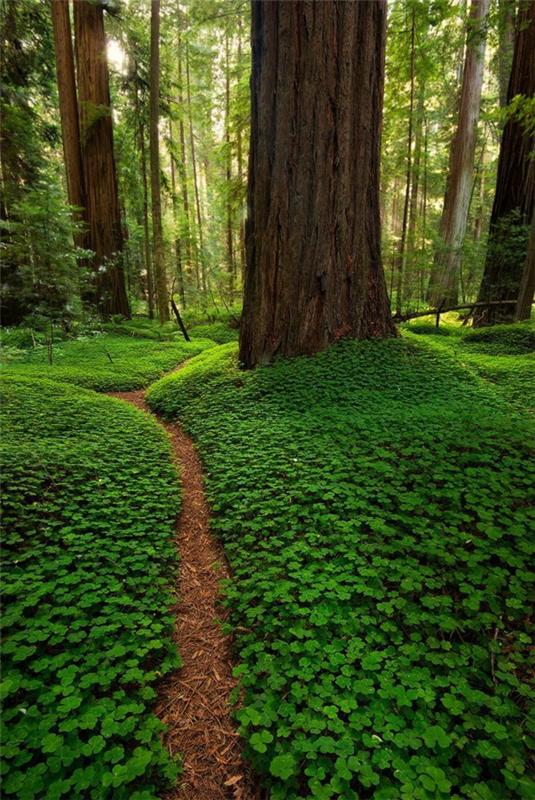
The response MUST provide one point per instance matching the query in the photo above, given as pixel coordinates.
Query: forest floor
(194, 702)
(371, 506)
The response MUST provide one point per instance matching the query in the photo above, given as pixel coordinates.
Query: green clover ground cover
(106, 362)
(374, 505)
(503, 355)
(89, 498)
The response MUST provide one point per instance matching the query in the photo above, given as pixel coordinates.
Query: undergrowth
(105, 362)
(89, 497)
(374, 506)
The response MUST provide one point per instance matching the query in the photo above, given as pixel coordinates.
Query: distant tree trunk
(190, 261)
(195, 178)
(506, 43)
(68, 109)
(400, 258)
(527, 283)
(413, 204)
(231, 266)
(444, 281)
(239, 157)
(178, 248)
(105, 235)
(515, 187)
(157, 234)
(314, 272)
(146, 232)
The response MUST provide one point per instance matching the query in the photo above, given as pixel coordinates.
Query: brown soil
(194, 701)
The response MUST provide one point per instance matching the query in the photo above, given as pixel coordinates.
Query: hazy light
(117, 58)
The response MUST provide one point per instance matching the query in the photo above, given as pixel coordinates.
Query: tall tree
(444, 280)
(105, 235)
(68, 107)
(314, 271)
(157, 232)
(527, 283)
(515, 187)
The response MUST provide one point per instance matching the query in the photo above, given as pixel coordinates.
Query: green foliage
(502, 339)
(89, 501)
(219, 332)
(372, 501)
(104, 362)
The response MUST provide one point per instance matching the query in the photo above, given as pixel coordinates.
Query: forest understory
(267, 397)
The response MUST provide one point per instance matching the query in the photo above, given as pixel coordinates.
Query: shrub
(373, 504)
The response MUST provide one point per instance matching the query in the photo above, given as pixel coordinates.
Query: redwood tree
(515, 188)
(105, 236)
(314, 271)
(68, 107)
(157, 234)
(444, 280)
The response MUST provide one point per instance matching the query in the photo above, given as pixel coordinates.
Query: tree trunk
(68, 109)
(314, 272)
(105, 236)
(231, 266)
(444, 280)
(515, 187)
(527, 283)
(239, 158)
(506, 43)
(157, 235)
(400, 257)
(178, 248)
(146, 232)
(195, 178)
(413, 204)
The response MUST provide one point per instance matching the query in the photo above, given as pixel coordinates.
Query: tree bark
(105, 235)
(178, 243)
(195, 180)
(514, 200)
(400, 257)
(231, 266)
(527, 283)
(68, 109)
(146, 229)
(314, 271)
(157, 234)
(444, 280)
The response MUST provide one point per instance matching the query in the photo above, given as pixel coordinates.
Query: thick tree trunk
(514, 200)
(444, 280)
(314, 272)
(527, 283)
(68, 109)
(105, 236)
(157, 234)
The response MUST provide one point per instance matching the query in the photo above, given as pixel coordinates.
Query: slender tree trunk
(186, 234)
(444, 281)
(401, 251)
(515, 187)
(527, 283)
(178, 248)
(239, 158)
(157, 234)
(506, 43)
(146, 231)
(231, 266)
(195, 178)
(105, 235)
(424, 213)
(314, 272)
(413, 204)
(68, 108)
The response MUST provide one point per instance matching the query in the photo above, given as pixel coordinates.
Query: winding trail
(194, 701)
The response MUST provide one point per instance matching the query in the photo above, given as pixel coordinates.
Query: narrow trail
(194, 701)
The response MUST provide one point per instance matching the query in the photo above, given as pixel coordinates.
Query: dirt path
(193, 702)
